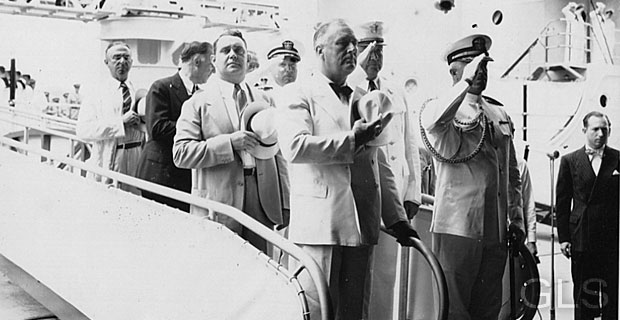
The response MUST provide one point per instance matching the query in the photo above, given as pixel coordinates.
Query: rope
(480, 119)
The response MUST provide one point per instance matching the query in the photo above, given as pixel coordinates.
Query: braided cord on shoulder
(482, 121)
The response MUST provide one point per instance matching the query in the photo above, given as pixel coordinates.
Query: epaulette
(492, 101)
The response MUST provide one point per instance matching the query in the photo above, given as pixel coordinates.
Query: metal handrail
(440, 278)
(545, 34)
(317, 276)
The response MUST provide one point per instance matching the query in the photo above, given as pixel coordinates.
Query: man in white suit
(210, 140)
(108, 117)
(337, 181)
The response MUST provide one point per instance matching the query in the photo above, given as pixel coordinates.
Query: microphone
(554, 154)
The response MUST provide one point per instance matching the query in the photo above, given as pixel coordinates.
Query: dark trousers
(474, 271)
(595, 280)
(347, 270)
(253, 208)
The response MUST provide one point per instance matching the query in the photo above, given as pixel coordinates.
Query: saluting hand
(364, 56)
(480, 77)
(243, 140)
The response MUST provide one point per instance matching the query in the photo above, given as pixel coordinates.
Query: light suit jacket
(202, 143)
(587, 203)
(100, 120)
(335, 189)
(488, 185)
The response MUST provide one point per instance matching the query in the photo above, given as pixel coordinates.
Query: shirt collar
(229, 87)
(328, 81)
(598, 151)
(189, 85)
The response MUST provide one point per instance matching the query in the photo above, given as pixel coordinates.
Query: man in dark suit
(163, 107)
(588, 229)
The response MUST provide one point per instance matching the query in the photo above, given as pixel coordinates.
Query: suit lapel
(219, 110)
(325, 98)
(584, 168)
(179, 90)
(608, 165)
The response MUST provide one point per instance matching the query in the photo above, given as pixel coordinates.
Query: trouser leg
(487, 290)
(253, 208)
(460, 259)
(586, 286)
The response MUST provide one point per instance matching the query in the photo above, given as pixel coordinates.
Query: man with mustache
(587, 204)
(108, 117)
(211, 141)
(163, 107)
(338, 182)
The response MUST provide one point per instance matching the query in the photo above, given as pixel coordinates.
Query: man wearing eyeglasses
(108, 117)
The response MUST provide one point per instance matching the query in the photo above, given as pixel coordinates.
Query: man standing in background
(587, 214)
(163, 107)
(108, 117)
(401, 152)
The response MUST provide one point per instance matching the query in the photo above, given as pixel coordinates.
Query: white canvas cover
(114, 255)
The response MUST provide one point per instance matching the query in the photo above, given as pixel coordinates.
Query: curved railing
(440, 279)
(19, 118)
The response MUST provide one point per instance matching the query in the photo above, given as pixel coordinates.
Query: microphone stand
(552, 156)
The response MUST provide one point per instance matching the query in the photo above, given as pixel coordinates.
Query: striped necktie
(126, 97)
(240, 98)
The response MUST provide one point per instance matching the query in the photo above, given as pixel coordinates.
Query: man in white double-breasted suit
(337, 181)
(211, 141)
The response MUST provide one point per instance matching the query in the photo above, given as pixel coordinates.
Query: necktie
(194, 89)
(126, 97)
(372, 86)
(240, 98)
(596, 157)
(343, 92)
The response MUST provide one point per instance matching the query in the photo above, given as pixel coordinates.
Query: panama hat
(258, 117)
(369, 107)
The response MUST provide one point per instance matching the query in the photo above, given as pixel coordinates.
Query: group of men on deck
(334, 155)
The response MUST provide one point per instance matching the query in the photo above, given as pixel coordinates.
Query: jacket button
(393, 157)
(392, 142)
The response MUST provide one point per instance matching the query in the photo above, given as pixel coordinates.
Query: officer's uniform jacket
(485, 187)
